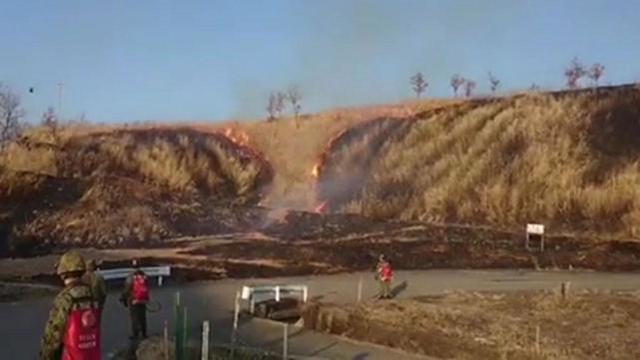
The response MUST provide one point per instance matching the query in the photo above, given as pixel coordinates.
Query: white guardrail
(122, 273)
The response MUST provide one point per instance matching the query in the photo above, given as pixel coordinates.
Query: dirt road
(22, 323)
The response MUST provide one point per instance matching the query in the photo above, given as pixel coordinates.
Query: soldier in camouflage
(75, 294)
(96, 282)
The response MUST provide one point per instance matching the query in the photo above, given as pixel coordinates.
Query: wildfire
(237, 136)
(315, 172)
(322, 208)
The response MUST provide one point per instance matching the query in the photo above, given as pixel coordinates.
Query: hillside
(565, 159)
(122, 186)
(569, 160)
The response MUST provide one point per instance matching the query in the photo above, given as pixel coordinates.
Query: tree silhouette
(419, 84)
(456, 82)
(272, 107)
(469, 86)
(50, 122)
(281, 99)
(495, 83)
(11, 115)
(574, 73)
(596, 72)
(294, 96)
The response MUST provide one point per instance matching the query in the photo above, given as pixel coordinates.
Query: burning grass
(587, 325)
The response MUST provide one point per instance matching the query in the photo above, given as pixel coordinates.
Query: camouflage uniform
(70, 268)
(51, 348)
(97, 284)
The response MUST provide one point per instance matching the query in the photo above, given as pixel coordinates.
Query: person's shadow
(399, 289)
(361, 356)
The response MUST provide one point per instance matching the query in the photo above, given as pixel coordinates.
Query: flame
(322, 208)
(237, 136)
(315, 172)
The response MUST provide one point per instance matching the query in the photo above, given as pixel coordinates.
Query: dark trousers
(138, 314)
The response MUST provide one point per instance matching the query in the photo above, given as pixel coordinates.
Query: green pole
(184, 334)
(178, 328)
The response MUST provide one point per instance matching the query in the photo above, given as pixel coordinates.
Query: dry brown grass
(176, 159)
(470, 326)
(568, 161)
(110, 186)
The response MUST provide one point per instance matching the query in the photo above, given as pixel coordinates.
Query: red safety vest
(82, 335)
(140, 289)
(386, 272)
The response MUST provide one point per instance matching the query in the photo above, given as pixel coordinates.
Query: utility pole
(60, 86)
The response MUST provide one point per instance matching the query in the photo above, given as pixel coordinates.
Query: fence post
(564, 289)
(178, 328)
(285, 342)
(205, 340)
(166, 340)
(236, 312)
(234, 330)
(185, 334)
(360, 289)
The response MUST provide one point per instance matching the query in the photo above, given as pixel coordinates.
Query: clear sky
(139, 60)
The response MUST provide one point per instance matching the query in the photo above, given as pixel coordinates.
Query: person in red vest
(136, 296)
(384, 274)
(73, 328)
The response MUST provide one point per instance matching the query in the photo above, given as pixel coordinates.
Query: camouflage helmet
(71, 261)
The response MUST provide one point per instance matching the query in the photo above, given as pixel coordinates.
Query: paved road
(21, 325)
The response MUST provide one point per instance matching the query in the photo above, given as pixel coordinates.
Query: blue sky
(211, 60)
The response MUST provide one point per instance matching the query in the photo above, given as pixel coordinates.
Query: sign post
(534, 231)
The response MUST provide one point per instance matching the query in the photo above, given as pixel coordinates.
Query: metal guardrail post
(285, 342)
(205, 341)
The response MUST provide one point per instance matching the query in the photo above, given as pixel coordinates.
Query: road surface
(22, 322)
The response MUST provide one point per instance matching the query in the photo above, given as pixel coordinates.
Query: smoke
(342, 53)
(350, 158)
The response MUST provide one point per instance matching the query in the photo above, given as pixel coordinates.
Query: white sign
(535, 229)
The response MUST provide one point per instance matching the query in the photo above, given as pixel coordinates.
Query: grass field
(569, 160)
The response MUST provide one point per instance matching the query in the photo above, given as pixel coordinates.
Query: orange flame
(322, 208)
(237, 136)
(315, 172)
